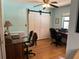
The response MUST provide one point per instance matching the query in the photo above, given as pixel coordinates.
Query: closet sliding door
(34, 22)
(45, 25)
(40, 24)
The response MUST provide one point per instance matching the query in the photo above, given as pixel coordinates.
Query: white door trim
(2, 45)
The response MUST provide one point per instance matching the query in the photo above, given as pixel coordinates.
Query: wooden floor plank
(44, 50)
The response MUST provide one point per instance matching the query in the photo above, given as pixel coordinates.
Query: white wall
(73, 38)
(59, 13)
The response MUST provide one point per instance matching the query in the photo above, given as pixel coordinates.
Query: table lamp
(7, 25)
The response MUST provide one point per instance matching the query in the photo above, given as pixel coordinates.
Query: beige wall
(73, 38)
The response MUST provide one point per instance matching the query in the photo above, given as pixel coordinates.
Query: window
(65, 22)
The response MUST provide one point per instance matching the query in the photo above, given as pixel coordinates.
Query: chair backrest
(30, 35)
(63, 30)
(53, 33)
(34, 39)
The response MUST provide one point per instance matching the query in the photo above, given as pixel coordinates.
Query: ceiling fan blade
(38, 5)
(54, 6)
(54, 2)
(44, 8)
(45, 1)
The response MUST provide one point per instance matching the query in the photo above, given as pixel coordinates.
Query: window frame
(64, 21)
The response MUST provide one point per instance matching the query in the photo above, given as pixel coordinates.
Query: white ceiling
(60, 2)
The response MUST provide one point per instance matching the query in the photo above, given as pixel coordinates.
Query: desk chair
(56, 36)
(30, 36)
(31, 43)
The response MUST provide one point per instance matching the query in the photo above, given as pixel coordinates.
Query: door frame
(2, 40)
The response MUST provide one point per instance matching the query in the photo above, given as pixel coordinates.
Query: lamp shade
(7, 24)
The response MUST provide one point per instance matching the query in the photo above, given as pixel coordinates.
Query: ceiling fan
(47, 3)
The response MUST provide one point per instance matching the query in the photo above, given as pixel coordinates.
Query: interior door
(39, 24)
(45, 25)
(34, 22)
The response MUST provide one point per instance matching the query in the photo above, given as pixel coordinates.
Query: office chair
(33, 42)
(30, 36)
(56, 36)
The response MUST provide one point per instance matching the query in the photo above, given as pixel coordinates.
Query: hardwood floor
(44, 50)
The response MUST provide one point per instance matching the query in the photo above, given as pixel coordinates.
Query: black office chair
(33, 42)
(30, 36)
(56, 36)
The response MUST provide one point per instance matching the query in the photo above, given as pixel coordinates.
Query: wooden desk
(14, 50)
(64, 35)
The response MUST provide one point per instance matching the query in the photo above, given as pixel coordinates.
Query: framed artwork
(57, 21)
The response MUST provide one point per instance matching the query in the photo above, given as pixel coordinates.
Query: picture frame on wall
(57, 21)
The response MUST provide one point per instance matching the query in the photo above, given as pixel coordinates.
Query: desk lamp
(7, 25)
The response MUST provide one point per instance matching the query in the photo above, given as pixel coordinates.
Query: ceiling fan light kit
(46, 4)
